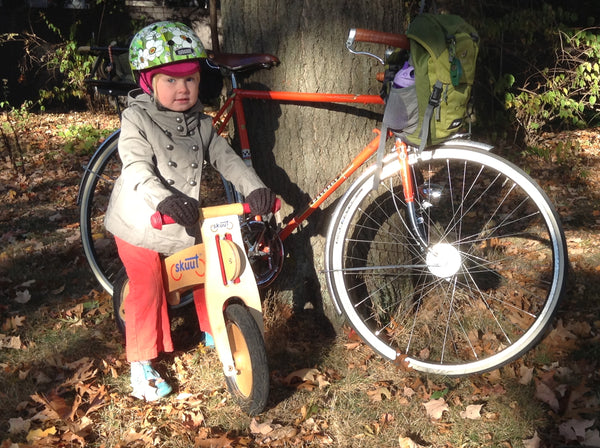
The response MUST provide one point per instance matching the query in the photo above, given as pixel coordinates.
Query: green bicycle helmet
(164, 43)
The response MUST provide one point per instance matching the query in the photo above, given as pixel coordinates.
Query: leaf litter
(69, 395)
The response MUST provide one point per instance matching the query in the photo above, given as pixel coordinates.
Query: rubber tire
(250, 386)
(94, 192)
(120, 290)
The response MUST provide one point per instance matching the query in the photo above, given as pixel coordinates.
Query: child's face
(177, 93)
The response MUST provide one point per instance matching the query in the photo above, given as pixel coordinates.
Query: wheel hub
(443, 260)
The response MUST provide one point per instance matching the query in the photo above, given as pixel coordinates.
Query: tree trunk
(298, 149)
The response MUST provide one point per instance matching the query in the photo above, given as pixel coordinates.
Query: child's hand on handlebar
(261, 201)
(160, 218)
(183, 209)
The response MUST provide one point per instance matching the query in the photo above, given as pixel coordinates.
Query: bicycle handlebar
(87, 49)
(378, 37)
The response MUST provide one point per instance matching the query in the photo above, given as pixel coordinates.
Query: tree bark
(298, 149)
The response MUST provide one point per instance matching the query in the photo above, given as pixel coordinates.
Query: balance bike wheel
(250, 385)
(120, 292)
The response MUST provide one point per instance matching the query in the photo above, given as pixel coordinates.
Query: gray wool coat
(162, 153)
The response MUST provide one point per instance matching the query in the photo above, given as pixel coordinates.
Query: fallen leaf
(260, 428)
(379, 394)
(534, 442)
(408, 392)
(592, 438)
(220, 442)
(18, 425)
(23, 296)
(574, 429)
(12, 323)
(526, 375)
(472, 412)
(10, 342)
(407, 442)
(133, 436)
(59, 289)
(192, 419)
(39, 433)
(546, 395)
(282, 432)
(560, 338)
(386, 418)
(402, 363)
(435, 408)
(306, 379)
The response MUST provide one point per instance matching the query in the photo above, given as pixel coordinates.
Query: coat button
(194, 165)
(195, 148)
(193, 183)
(170, 147)
(179, 119)
(168, 133)
(192, 133)
(170, 181)
(180, 128)
(173, 164)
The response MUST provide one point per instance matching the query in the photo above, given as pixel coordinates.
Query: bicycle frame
(234, 107)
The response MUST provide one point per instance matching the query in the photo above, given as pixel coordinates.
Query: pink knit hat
(178, 69)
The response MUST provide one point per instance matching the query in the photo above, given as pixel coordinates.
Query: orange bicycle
(450, 259)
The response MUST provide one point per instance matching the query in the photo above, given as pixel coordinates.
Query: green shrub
(536, 70)
(83, 139)
(72, 66)
(12, 124)
(565, 94)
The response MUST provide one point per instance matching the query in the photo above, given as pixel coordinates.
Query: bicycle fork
(410, 193)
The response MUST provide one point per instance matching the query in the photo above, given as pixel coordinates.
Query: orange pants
(147, 329)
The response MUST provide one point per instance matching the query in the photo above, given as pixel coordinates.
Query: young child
(165, 138)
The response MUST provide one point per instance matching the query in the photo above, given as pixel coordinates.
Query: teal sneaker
(209, 342)
(147, 384)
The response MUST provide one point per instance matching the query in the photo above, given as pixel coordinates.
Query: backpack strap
(380, 153)
(434, 102)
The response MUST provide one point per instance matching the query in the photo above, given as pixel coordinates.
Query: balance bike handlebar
(158, 220)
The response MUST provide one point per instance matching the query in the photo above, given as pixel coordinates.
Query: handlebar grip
(158, 220)
(224, 210)
(381, 37)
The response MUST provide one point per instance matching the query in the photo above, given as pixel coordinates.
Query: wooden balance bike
(217, 276)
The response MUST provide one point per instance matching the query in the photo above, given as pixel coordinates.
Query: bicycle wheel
(264, 249)
(94, 193)
(250, 385)
(480, 291)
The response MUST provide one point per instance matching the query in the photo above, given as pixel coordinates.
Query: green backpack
(443, 51)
